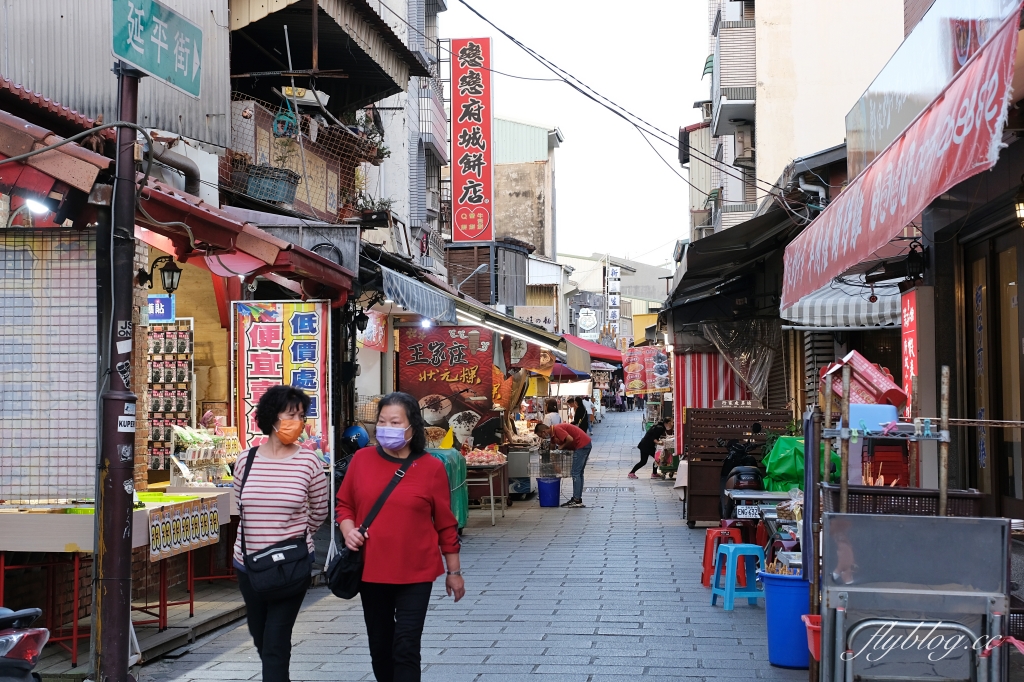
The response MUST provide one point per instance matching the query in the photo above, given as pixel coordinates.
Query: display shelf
(172, 398)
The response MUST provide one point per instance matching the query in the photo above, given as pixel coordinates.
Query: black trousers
(394, 616)
(645, 454)
(270, 624)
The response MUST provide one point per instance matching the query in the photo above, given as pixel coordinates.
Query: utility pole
(112, 582)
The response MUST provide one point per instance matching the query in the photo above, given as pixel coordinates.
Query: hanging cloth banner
(956, 137)
(749, 346)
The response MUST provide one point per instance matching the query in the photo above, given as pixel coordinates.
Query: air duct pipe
(181, 163)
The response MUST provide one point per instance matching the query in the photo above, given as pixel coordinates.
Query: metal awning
(418, 297)
(847, 306)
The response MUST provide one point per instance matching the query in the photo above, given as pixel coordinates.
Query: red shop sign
(472, 113)
(956, 137)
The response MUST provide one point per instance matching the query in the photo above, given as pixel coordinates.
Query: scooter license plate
(748, 511)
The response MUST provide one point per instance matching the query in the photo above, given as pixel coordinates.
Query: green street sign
(160, 42)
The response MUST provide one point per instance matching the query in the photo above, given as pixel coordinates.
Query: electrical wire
(606, 103)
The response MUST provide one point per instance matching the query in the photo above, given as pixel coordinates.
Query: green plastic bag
(785, 465)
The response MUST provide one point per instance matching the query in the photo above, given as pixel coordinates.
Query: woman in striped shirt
(285, 496)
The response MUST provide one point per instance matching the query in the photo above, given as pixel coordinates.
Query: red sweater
(560, 433)
(415, 525)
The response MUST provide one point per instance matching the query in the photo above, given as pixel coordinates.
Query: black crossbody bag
(281, 570)
(345, 572)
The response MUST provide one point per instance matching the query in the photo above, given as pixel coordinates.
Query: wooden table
(488, 473)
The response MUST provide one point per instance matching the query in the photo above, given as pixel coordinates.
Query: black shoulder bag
(281, 570)
(345, 572)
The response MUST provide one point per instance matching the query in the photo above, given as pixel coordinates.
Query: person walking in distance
(404, 547)
(580, 417)
(649, 444)
(283, 496)
(569, 437)
(588, 405)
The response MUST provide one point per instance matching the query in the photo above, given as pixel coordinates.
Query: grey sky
(614, 194)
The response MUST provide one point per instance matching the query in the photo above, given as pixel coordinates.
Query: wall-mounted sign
(614, 286)
(282, 343)
(739, 404)
(472, 176)
(587, 319)
(540, 315)
(614, 300)
(161, 308)
(614, 272)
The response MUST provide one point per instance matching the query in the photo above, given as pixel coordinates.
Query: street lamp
(170, 274)
(1018, 203)
(30, 207)
(482, 267)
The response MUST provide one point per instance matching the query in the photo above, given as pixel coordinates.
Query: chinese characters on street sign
(161, 308)
(282, 343)
(472, 177)
(160, 42)
(909, 334)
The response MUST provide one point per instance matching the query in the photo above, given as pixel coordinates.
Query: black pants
(270, 624)
(645, 454)
(394, 616)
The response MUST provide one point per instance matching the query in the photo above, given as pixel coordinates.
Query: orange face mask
(289, 430)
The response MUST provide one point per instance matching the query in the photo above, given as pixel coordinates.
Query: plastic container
(813, 625)
(786, 599)
(548, 491)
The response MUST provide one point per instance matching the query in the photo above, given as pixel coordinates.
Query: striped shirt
(283, 498)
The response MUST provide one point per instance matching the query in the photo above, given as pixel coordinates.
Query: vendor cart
(668, 461)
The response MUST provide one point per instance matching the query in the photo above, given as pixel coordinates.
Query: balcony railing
(433, 121)
(734, 79)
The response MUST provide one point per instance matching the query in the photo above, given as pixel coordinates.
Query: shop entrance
(995, 340)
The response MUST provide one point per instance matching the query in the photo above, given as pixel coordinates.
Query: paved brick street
(611, 592)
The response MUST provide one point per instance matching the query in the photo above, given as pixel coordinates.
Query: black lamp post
(170, 274)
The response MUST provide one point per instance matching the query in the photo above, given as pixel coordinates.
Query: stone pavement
(607, 593)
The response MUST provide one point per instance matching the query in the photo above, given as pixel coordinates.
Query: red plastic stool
(761, 535)
(713, 538)
(746, 526)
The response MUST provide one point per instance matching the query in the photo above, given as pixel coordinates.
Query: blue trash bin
(548, 491)
(786, 598)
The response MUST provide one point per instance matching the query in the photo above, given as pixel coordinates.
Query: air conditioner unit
(744, 146)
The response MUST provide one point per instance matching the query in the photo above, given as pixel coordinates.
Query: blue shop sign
(161, 308)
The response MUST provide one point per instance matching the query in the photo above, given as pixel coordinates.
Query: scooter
(740, 472)
(20, 645)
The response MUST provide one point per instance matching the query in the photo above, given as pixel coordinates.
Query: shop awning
(562, 372)
(847, 306)
(417, 297)
(957, 136)
(191, 228)
(596, 350)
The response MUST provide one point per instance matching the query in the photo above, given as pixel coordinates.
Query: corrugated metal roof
(63, 48)
(516, 142)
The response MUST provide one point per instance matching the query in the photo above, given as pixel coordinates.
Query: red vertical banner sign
(472, 114)
(282, 343)
(909, 336)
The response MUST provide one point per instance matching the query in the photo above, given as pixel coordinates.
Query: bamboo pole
(844, 444)
(914, 447)
(944, 443)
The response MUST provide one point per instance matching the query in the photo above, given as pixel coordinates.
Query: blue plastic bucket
(548, 491)
(786, 598)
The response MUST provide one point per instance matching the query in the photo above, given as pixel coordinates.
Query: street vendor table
(486, 473)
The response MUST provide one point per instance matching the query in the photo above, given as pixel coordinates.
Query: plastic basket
(866, 499)
(813, 624)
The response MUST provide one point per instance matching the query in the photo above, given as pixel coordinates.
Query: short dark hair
(541, 427)
(551, 405)
(418, 442)
(276, 400)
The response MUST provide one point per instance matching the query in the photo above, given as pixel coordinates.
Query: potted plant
(275, 183)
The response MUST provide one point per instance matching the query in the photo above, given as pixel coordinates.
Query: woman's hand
(354, 539)
(455, 586)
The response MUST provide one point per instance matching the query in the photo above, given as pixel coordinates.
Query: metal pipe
(316, 34)
(116, 467)
(812, 515)
(944, 443)
(913, 448)
(882, 622)
(827, 423)
(812, 328)
(179, 162)
(844, 444)
(840, 643)
(298, 132)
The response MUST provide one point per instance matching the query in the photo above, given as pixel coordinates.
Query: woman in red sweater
(403, 548)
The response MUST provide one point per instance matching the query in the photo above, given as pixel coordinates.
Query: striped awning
(418, 297)
(847, 305)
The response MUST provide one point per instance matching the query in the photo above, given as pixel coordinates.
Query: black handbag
(345, 571)
(281, 570)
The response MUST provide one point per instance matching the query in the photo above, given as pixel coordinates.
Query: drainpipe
(179, 162)
(814, 188)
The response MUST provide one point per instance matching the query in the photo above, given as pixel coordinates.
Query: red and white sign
(956, 137)
(910, 347)
(472, 113)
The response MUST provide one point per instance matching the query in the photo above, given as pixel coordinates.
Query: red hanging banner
(472, 113)
(956, 137)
